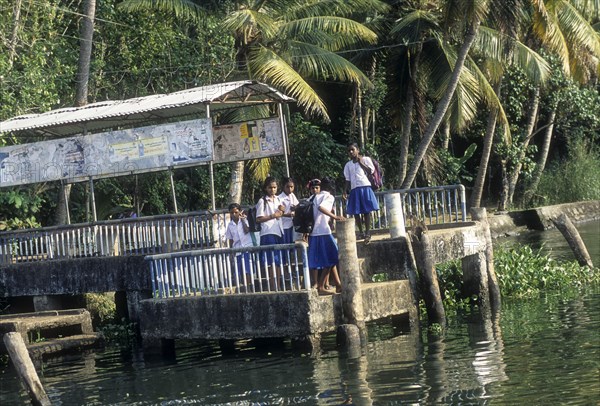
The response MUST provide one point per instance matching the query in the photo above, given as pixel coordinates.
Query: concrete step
(64, 344)
(47, 325)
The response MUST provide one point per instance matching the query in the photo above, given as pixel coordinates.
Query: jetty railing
(230, 271)
(197, 230)
(432, 205)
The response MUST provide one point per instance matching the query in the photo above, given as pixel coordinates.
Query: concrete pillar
(352, 302)
(429, 283)
(475, 279)
(121, 308)
(479, 214)
(395, 215)
(47, 302)
(133, 298)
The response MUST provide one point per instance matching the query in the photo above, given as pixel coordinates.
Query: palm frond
(185, 10)
(492, 44)
(590, 9)
(411, 27)
(318, 63)
(337, 27)
(340, 8)
(265, 65)
(545, 27)
(251, 23)
(576, 28)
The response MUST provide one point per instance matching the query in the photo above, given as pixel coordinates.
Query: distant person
(269, 211)
(238, 235)
(361, 199)
(322, 248)
(289, 201)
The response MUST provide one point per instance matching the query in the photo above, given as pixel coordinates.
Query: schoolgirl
(322, 248)
(362, 200)
(289, 201)
(269, 211)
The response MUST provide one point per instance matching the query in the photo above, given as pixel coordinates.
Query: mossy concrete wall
(287, 314)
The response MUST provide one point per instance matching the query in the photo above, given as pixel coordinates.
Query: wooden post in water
(429, 282)
(352, 302)
(568, 230)
(22, 362)
(480, 214)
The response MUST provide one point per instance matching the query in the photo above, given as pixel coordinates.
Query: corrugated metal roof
(116, 113)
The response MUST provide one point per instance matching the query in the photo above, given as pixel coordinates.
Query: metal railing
(197, 230)
(432, 205)
(230, 271)
(145, 235)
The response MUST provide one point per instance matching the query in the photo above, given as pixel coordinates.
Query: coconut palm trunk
(541, 164)
(514, 174)
(81, 92)
(443, 104)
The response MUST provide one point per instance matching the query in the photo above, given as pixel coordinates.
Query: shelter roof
(119, 113)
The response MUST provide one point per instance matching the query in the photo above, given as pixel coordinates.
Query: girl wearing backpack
(269, 211)
(322, 248)
(361, 199)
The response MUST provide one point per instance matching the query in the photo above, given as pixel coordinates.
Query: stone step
(64, 344)
(47, 324)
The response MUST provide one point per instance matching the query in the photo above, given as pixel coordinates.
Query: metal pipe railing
(197, 230)
(229, 271)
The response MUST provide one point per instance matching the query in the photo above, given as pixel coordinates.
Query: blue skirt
(270, 256)
(288, 235)
(362, 200)
(322, 252)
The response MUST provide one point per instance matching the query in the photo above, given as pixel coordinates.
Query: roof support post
(66, 197)
(285, 137)
(211, 167)
(173, 189)
(93, 200)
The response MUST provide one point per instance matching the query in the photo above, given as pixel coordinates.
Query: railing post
(395, 214)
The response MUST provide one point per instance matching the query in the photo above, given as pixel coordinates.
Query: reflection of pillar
(485, 337)
(436, 377)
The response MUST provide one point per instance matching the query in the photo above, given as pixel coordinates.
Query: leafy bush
(522, 272)
(574, 179)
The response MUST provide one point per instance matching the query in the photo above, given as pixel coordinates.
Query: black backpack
(304, 219)
(253, 225)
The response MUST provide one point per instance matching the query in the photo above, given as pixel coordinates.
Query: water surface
(540, 351)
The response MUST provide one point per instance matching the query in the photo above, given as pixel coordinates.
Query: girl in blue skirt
(322, 248)
(362, 200)
(269, 211)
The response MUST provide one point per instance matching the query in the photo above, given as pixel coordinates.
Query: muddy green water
(542, 351)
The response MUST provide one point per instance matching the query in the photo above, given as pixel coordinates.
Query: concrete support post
(429, 282)
(480, 214)
(24, 366)
(352, 302)
(395, 215)
(47, 302)
(133, 303)
(475, 279)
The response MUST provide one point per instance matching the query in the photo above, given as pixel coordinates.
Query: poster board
(248, 140)
(108, 154)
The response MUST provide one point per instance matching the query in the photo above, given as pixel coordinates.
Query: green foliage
(454, 168)
(119, 334)
(575, 178)
(315, 154)
(35, 337)
(449, 276)
(101, 306)
(523, 272)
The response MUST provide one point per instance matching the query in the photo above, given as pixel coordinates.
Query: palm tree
(561, 27)
(285, 43)
(81, 92)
